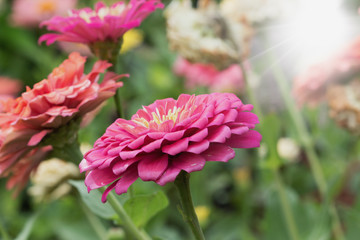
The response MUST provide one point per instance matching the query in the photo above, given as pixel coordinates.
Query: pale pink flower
(102, 24)
(206, 75)
(311, 86)
(30, 13)
(168, 136)
(58, 102)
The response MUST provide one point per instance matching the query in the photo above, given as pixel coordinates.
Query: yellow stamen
(158, 118)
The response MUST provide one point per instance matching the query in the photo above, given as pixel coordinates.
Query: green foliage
(142, 208)
(93, 200)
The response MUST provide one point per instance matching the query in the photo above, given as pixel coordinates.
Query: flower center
(166, 115)
(158, 118)
(47, 7)
(101, 13)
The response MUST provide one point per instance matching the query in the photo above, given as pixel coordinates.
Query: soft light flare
(319, 29)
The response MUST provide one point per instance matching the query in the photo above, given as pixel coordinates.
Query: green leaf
(142, 208)
(93, 200)
(74, 230)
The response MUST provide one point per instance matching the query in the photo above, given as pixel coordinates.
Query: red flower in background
(168, 136)
(60, 101)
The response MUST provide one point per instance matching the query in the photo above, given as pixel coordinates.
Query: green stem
(286, 209)
(129, 226)
(3, 232)
(188, 211)
(291, 224)
(308, 145)
(109, 51)
(118, 105)
(94, 221)
(69, 152)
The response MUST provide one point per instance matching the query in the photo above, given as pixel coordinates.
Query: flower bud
(288, 149)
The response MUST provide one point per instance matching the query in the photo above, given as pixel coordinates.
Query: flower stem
(129, 226)
(118, 105)
(188, 211)
(291, 224)
(109, 51)
(308, 145)
(286, 209)
(69, 152)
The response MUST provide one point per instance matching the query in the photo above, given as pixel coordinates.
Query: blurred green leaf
(93, 200)
(72, 231)
(142, 208)
(311, 219)
(26, 231)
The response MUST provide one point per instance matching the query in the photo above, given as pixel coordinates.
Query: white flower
(203, 35)
(50, 179)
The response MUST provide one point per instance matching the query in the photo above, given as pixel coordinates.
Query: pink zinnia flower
(311, 86)
(206, 75)
(30, 13)
(102, 24)
(168, 136)
(59, 102)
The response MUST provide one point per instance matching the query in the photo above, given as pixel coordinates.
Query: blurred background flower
(205, 35)
(49, 181)
(29, 13)
(206, 75)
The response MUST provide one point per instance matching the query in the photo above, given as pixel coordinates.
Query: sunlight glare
(319, 28)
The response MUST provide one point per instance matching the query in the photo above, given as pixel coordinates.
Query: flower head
(206, 75)
(102, 24)
(49, 181)
(205, 35)
(54, 106)
(168, 136)
(343, 101)
(30, 13)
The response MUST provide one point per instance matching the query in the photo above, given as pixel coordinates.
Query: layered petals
(58, 102)
(198, 129)
(102, 24)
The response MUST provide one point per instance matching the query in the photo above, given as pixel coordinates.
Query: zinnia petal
(151, 167)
